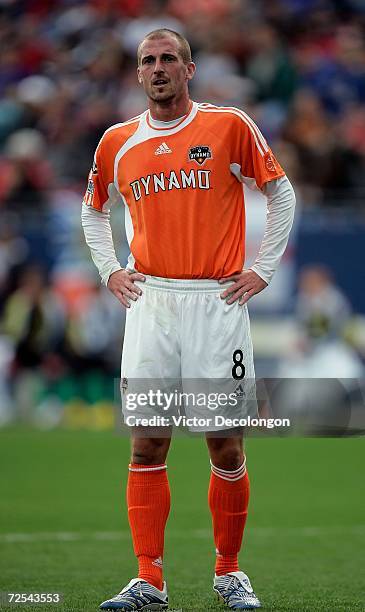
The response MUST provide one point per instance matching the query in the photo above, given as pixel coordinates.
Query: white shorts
(187, 358)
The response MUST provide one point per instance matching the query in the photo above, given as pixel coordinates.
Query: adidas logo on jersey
(163, 148)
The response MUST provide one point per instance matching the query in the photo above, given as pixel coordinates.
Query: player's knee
(230, 459)
(149, 451)
(226, 456)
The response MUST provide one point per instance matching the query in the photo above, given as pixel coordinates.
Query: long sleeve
(99, 238)
(280, 215)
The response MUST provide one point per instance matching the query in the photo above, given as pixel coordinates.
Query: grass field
(63, 523)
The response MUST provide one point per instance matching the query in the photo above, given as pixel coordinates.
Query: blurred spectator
(319, 383)
(92, 341)
(323, 312)
(331, 168)
(13, 252)
(338, 75)
(154, 15)
(32, 319)
(25, 172)
(322, 308)
(270, 67)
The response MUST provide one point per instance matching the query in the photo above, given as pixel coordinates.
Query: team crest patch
(200, 154)
(270, 163)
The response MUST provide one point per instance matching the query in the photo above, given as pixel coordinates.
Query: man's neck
(170, 110)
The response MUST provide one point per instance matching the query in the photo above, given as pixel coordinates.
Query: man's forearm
(280, 214)
(99, 238)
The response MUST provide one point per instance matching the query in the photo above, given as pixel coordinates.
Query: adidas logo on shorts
(163, 148)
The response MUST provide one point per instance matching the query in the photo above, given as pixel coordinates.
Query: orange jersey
(181, 184)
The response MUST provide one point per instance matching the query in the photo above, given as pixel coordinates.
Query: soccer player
(179, 168)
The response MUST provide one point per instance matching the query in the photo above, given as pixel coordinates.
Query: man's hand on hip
(121, 284)
(245, 285)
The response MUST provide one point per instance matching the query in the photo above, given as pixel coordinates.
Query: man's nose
(158, 66)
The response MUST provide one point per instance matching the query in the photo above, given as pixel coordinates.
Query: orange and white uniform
(181, 183)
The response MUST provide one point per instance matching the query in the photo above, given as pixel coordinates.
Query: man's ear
(139, 75)
(190, 71)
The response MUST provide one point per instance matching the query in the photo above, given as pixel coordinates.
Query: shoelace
(133, 592)
(232, 588)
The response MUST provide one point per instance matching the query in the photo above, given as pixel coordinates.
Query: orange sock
(228, 497)
(148, 501)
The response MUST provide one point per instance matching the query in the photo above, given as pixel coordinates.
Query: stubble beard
(163, 99)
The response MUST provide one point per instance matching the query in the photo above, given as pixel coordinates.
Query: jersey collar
(168, 125)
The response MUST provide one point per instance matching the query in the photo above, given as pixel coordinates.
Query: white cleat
(235, 590)
(138, 595)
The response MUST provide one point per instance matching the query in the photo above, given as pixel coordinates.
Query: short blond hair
(184, 47)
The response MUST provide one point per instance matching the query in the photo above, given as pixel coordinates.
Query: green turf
(304, 543)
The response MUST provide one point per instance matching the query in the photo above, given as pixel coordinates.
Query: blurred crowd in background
(68, 72)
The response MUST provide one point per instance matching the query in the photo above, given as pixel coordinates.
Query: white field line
(202, 534)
